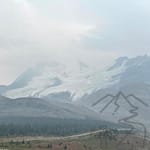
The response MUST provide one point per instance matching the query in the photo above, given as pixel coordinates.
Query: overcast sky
(92, 31)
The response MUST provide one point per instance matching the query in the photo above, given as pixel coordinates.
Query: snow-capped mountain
(57, 80)
(60, 82)
(129, 75)
(84, 86)
(131, 89)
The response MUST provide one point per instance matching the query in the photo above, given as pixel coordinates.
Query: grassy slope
(93, 141)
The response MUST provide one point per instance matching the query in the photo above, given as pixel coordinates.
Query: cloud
(29, 37)
(125, 28)
(33, 31)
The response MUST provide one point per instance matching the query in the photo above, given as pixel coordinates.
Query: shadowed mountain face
(35, 107)
(3, 88)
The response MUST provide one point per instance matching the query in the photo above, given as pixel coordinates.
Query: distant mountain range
(76, 88)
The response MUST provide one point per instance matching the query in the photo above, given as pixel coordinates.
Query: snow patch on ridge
(58, 78)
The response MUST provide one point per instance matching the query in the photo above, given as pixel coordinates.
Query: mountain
(130, 75)
(130, 87)
(83, 86)
(58, 81)
(55, 81)
(35, 107)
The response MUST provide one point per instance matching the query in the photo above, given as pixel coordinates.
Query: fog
(35, 31)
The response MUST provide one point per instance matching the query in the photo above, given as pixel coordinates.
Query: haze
(35, 31)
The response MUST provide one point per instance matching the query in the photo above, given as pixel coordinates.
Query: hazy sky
(93, 31)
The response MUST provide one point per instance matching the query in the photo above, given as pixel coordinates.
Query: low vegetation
(106, 140)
